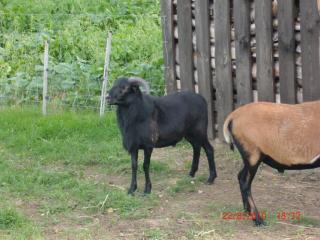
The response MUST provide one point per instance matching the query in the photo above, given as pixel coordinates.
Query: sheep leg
(195, 160)
(246, 176)
(251, 159)
(210, 156)
(253, 209)
(241, 176)
(146, 164)
(134, 167)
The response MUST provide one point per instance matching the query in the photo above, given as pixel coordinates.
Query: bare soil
(198, 214)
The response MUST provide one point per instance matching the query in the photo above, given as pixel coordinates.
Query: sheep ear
(135, 87)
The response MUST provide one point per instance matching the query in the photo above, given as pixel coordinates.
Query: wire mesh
(73, 84)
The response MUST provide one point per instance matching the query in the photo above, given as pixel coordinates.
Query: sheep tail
(227, 131)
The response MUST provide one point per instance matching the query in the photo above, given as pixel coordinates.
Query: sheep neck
(131, 114)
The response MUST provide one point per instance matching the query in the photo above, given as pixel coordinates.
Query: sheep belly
(168, 138)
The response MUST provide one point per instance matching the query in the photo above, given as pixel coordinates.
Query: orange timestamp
(243, 215)
(280, 215)
(285, 216)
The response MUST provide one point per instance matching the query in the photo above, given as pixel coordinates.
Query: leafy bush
(77, 31)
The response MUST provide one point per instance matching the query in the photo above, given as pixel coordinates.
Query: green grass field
(43, 160)
(65, 176)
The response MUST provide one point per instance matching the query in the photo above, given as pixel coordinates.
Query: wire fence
(64, 99)
(65, 90)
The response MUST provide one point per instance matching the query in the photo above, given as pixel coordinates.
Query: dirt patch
(197, 213)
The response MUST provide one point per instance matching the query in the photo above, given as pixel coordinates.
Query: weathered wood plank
(242, 23)
(203, 59)
(286, 16)
(185, 44)
(263, 19)
(224, 91)
(168, 45)
(310, 25)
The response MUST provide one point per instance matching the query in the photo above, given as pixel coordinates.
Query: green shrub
(77, 31)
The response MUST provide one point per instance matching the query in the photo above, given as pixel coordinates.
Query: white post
(105, 75)
(45, 78)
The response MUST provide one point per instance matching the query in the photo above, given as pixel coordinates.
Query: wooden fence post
(45, 78)
(262, 42)
(185, 44)
(105, 75)
(205, 83)
(168, 45)
(224, 91)
(310, 25)
(287, 49)
(241, 10)
(263, 13)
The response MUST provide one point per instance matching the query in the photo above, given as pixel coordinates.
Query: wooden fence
(237, 51)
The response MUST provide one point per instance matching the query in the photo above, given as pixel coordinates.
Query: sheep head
(124, 90)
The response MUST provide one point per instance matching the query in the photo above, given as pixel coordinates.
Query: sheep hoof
(147, 192)
(210, 180)
(259, 222)
(147, 189)
(132, 190)
(192, 174)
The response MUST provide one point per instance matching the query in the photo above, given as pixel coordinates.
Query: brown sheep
(283, 136)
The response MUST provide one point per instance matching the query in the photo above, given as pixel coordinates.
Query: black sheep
(148, 122)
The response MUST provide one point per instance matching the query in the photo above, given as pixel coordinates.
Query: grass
(185, 184)
(15, 225)
(154, 234)
(65, 176)
(84, 140)
(10, 218)
(308, 221)
(43, 158)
